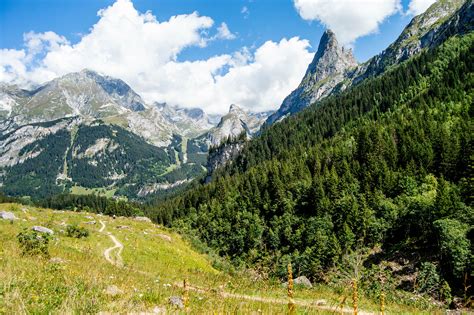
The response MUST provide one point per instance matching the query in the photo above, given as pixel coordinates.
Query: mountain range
(90, 133)
(86, 132)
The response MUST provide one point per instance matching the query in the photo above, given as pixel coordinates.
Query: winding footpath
(117, 261)
(118, 247)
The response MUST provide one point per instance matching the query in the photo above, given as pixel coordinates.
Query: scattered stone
(144, 219)
(63, 223)
(145, 232)
(57, 260)
(42, 229)
(113, 290)
(176, 301)
(302, 281)
(165, 237)
(91, 222)
(158, 310)
(32, 218)
(24, 210)
(89, 217)
(7, 215)
(320, 302)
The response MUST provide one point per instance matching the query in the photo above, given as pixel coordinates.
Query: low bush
(76, 231)
(32, 243)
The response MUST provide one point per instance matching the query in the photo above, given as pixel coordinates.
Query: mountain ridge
(424, 31)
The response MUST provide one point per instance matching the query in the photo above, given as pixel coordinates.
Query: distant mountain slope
(191, 122)
(86, 132)
(333, 69)
(90, 96)
(84, 93)
(59, 156)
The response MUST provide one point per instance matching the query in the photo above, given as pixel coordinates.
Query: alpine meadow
(165, 161)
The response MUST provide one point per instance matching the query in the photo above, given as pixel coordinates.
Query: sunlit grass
(156, 261)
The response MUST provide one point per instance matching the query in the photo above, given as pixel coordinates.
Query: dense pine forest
(385, 165)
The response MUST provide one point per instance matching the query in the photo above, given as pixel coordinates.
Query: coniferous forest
(212, 159)
(385, 167)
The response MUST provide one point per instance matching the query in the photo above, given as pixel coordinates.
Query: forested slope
(387, 163)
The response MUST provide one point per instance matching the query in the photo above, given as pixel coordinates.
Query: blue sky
(266, 20)
(249, 52)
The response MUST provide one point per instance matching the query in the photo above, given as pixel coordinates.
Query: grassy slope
(152, 263)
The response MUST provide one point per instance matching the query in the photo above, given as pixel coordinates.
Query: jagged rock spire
(331, 58)
(328, 68)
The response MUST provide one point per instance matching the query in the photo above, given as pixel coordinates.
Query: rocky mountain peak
(329, 68)
(234, 109)
(331, 58)
(234, 123)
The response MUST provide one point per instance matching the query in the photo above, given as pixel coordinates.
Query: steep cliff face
(234, 123)
(330, 66)
(221, 155)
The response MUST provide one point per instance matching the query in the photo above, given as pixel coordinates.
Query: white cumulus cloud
(419, 6)
(349, 19)
(143, 51)
(223, 32)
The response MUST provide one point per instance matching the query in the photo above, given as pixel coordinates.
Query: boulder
(42, 229)
(176, 301)
(302, 281)
(7, 215)
(113, 290)
(144, 219)
(165, 237)
(57, 260)
(158, 310)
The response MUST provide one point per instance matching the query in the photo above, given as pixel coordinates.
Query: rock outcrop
(42, 229)
(331, 65)
(5, 215)
(235, 123)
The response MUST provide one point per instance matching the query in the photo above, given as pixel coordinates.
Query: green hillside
(128, 266)
(92, 158)
(382, 172)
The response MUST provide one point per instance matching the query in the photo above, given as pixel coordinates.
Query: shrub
(454, 245)
(76, 231)
(32, 243)
(428, 278)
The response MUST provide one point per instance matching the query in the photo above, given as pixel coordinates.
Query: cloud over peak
(419, 6)
(349, 19)
(143, 51)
